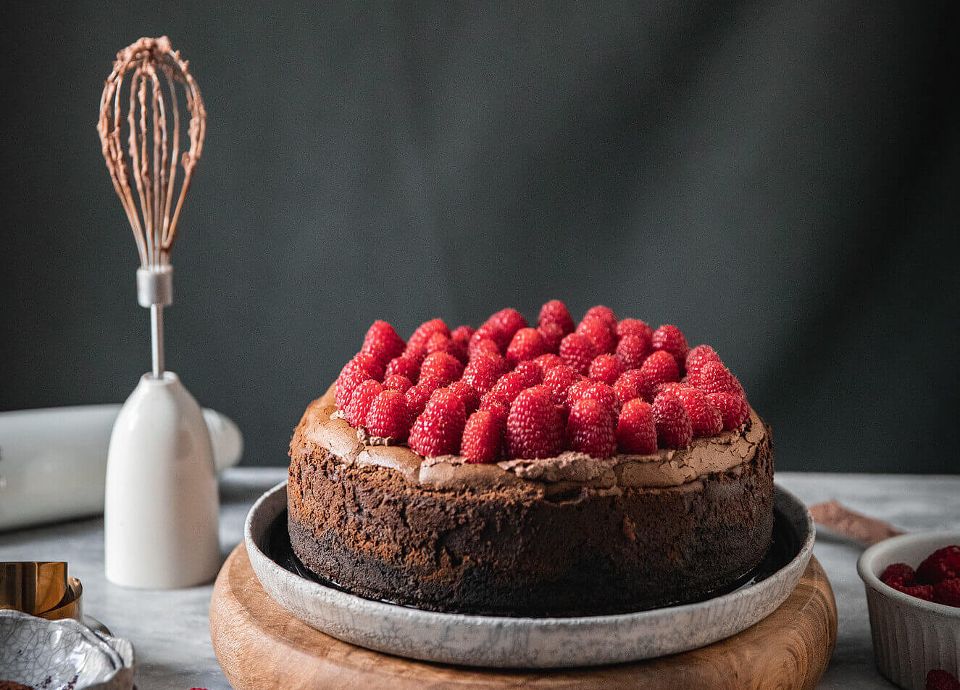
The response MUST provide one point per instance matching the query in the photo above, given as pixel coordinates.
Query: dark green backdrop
(777, 178)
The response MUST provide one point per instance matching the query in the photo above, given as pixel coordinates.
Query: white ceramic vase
(161, 505)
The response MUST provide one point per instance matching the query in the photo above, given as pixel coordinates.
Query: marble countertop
(169, 628)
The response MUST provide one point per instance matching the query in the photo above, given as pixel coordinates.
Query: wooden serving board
(261, 646)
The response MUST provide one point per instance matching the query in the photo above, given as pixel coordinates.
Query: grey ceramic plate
(56, 655)
(502, 642)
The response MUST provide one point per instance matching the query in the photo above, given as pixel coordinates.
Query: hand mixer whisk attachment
(140, 130)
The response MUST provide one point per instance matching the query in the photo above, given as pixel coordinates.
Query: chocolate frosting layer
(322, 425)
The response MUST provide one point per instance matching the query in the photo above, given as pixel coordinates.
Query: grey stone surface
(172, 640)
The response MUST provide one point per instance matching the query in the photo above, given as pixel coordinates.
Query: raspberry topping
(705, 418)
(531, 372)
(439, 427)
(603, 313)
(527, 344)
(534, 425)
(673, 425)
(697, 357)
(591, 429)
(606, 368)
(508, 321)
(632, 350)
(418, 395)
(443, 366)
(660, 367)
(360, 400)
(420, 336)
(670, 339)
(462, 334)
(636, 327)
(552, 336)
(556, 312)
(558, 380)
(594, 390)
(397, 382)
(466, 393)
(350, 377)
(636, 431)
(388, 416)
(733, 409)
(482, 346)
(548, 361)
(627, 387)
(483, 437)
(600, 334)
(382, 342)
(484, 371)
(716, 378)
(405, 366)
(507, 388)
(577, 351)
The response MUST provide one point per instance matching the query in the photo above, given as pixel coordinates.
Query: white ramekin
(910, 636)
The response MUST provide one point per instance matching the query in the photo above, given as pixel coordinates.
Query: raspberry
(466, 393)
(558, 380)
(388, 416)
(705, 417)
(482, 437)
(418, 395)
(590, 429)
(556, 312)
(548, 361)
(397, 382)
(600, 334)
(482, 373)
(670, 339)
(924, 592)
(632, 350)
(552, 336)
(442, 365)
(370, 364)
(462, 334)
(716, 378)
(627, 387)
(941, 565)
(898, 572)
(603, 313)
(482, 346)
(498, 410)
(696, 358)
(405, 366)
(534, 425)
(382, 342)
(635, 327)
(938, 679)
(350, 377)
(508, 320)
(606, 368)
(577, 351)
(636, 431)
(506, 389)
(490, 332)
(438, 342)
(734, 410)
(424, 331)
(416, 352)
(947, 592)
(660, 367)
(360, 400)
(438, 429)
(531, 372)
(673, 424)
(527, 343)
(594, 390)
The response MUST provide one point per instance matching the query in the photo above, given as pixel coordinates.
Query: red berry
(705, 417)
(627, 387)
(490, 332)
(483, 437)
(942, 564)
(534, 425)
(591, 429)
(531, 372)
(594, 390)
(466, 392)
(405, 366)
(438, 342)
(350, 377)
(506, 389)
(548, 361)
(499, 410)
(636, 431)
(397, 382)
(462, 334)
(939, 679)
(898, 572)
(552, 336)
(388, 416)
(527, 343)
(484, 371)
(716, 378)
(416, 352)
(670, 339)
(947, 592)
(360, 400)
(577, 351)
(556, 312)
(382, 342)
(660, 367)
(482, 346)
(418, 395)
(696, 358)
(508, 321)
(632, 350)
(603, 313)
(370, 364)
(600, 334)
(635, 327)
(924, 592)
(734, 410)
(438, 429)
(424, 331)
(606, 368)
(673, 424)
(443, 366)
(558, 380)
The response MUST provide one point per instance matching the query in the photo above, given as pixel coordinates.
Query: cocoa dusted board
(261, 646)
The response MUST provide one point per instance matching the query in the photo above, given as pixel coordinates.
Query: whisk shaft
(156, 334)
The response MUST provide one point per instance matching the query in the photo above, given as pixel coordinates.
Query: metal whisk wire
(145, 172)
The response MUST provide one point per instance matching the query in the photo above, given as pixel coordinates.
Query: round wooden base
(261, 646)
